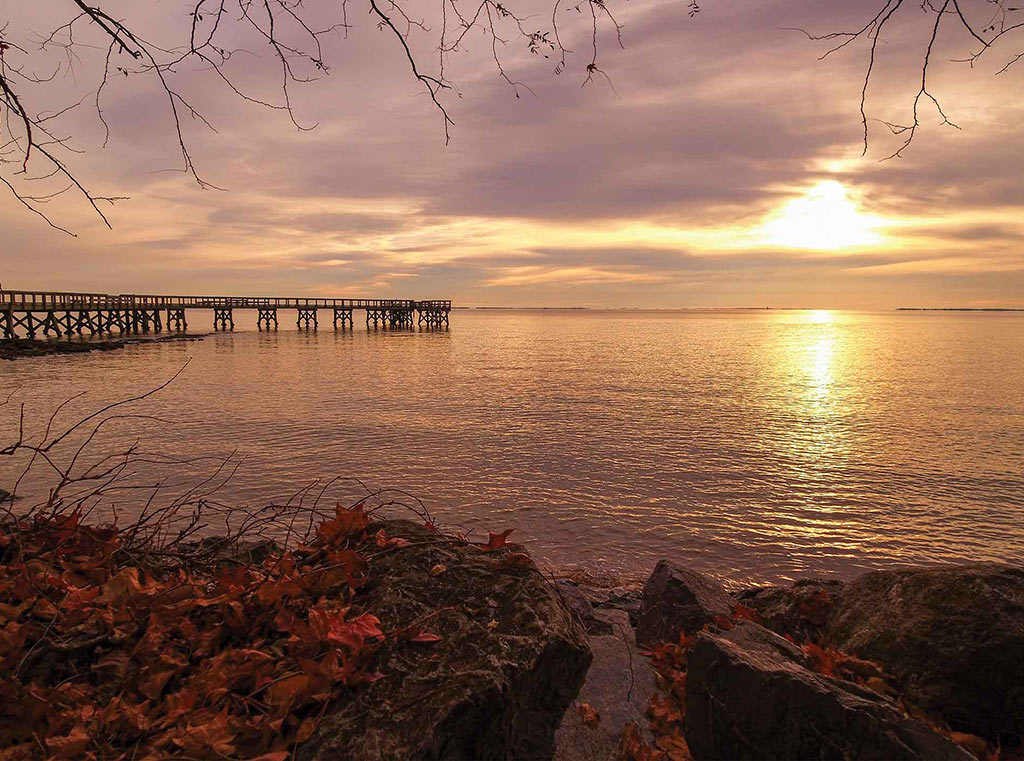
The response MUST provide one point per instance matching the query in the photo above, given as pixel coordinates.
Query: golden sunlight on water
(754, 444)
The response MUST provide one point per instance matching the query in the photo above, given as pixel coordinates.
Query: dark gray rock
(800, 610)
(510, 660)
(678, 599)
(619, 686)
(750, 695)
(953, 636)
(580, 606)
(620, 598)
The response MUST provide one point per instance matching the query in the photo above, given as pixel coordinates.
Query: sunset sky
(720, 167)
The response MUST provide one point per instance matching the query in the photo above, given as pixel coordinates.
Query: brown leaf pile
(100, 658)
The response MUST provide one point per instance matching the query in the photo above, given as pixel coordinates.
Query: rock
(750, 695)
(620, 598)
(510, 660)
(580, 606)
(619, 686)
(232, 552)
(953, 637)
(800, 610)
(679, 599)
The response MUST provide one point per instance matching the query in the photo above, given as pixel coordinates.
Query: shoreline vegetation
(20, 348)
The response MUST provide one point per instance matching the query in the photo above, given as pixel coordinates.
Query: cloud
(641, 195)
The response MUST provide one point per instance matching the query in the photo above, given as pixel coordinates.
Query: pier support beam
(66, 323)
(265, 317)
(147, 319)
(132, 322)
(50, 323)
(389, 317)
(29, 322)
(399, 317)
(88, 321)
(176, 319)
(7, 321)
(306, 319)
(223, 319)
(117, 318)
(105, 321)
(432, 318)
(343, 316)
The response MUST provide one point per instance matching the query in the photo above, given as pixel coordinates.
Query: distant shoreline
(959, 309)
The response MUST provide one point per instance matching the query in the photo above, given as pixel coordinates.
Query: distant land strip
(960, 309)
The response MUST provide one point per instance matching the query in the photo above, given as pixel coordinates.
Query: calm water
(753, 445)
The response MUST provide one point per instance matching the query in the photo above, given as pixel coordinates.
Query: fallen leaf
(743, 613)
(425, 637)
(634, 747)
(588, 715)
(438, 569)
(153, 686)
(306, 728)
(287, 690)
(395, 541)
(494, 541)
(71, 745)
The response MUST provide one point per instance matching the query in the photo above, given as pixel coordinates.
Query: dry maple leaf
(346, 523)
(287, 691)
(588, 715)
(494, 541)
(635, 748)
(743, 613)
(395, 541)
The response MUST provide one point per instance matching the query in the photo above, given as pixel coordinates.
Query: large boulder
(751, 695)
(800, 610)
(678, 599)
(510, 660)
(953, 637)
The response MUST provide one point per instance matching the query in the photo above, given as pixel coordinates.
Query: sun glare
(823, 218)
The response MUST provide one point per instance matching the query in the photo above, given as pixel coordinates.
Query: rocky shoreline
(21, 348)
(385, 639)
(914, 663)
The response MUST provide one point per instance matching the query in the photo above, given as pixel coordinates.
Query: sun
(823, 218)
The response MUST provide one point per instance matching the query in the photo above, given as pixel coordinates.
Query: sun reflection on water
(815, 437)
(820, 366)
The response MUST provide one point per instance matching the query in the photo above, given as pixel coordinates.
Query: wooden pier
(68, 314)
